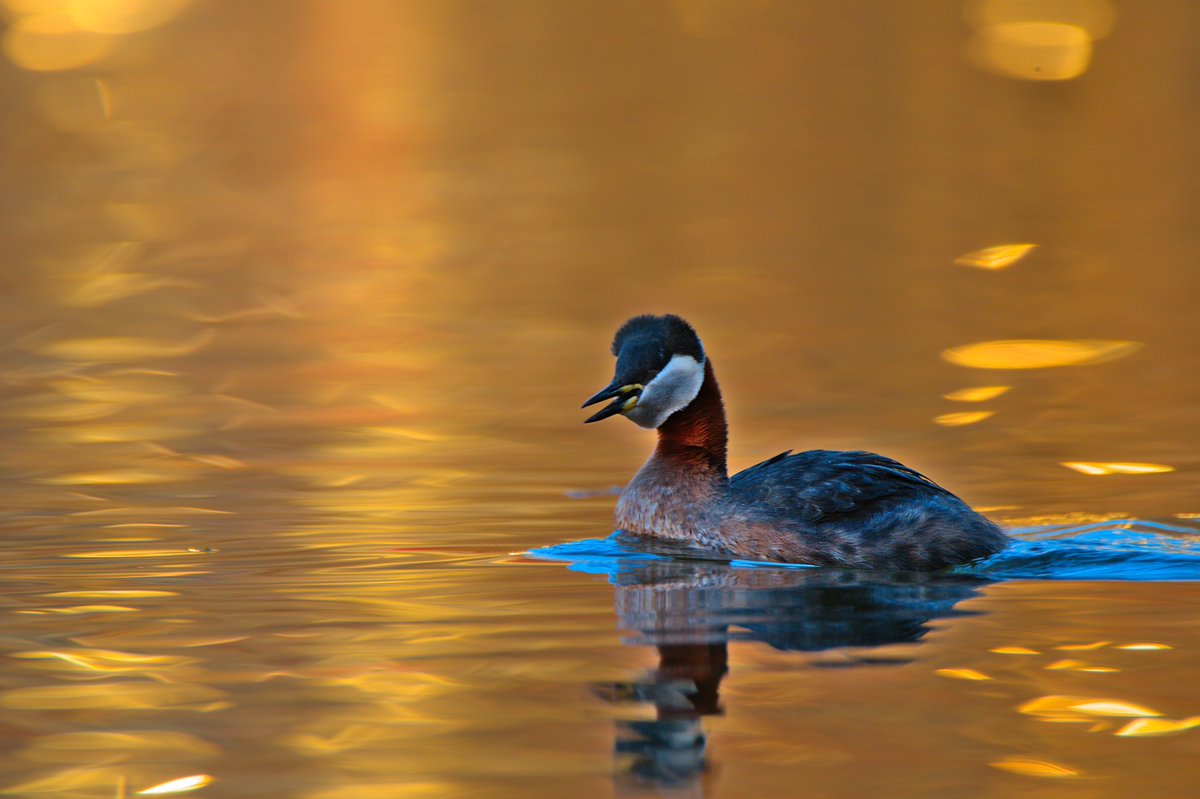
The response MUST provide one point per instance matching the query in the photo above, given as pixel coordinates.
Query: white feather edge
(671, 390)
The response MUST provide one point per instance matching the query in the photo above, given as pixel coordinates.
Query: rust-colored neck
(698, 433)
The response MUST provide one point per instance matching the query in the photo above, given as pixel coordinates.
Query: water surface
(299, 301)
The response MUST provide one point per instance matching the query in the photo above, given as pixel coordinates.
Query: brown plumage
(848, 509)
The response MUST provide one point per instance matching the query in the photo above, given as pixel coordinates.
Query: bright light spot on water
(1015, 650)
(50, 42)
(1151, 727)
(995, 257)
(1035, 50)
(962, 418)
(1112, 707)
(1034, 767)
(57, 35)
(1096, 468)
(962, 674)
(977, 394)
(1040, 41)
(1094, 16)
(1080, 708)
(1038, 353)
(131, 553)
(123, 593)
(122, 16)
(178, 786)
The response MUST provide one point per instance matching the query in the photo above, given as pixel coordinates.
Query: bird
(850, 510)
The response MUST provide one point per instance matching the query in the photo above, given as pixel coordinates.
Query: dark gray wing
(816, 485)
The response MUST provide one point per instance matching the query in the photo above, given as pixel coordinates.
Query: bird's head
(660, 368)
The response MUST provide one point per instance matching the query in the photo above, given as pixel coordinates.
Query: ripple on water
(1126, 549)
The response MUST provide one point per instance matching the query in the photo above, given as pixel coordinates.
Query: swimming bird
(853, 510)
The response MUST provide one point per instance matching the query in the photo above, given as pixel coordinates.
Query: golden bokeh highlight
(962, 674)
(1152, 727)
(1082, 708)
(1038, 353)
(1037, 41)
(122, 16)
(61, 35)
(994, 258)
(179, 785)
(1044, 51)
(1035, 767)
(962, 418)
(1097, 468)
(51, 42)
(1089, 647)
(1097, 17)
(977, 394)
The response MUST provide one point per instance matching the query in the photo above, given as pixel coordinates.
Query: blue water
(1129, 549)
(684, 598)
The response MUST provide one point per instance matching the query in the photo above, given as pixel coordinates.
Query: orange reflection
(1035, 50)
(51, 42)
(962, 418)
(1139, 728)
(122, 16)
(1037, 41)
(1097, 468)
(1035, 767)
(179, 785)
(995, 257)
(1081, 708)
(962, 674)
(977, 394)
(1038, 353)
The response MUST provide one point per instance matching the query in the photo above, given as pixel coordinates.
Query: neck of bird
(698, 435)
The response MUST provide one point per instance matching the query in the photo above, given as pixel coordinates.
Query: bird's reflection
(690, 610)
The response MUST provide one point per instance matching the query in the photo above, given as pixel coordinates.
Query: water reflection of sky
(299, 300)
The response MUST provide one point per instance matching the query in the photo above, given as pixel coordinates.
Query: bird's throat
(697, 435)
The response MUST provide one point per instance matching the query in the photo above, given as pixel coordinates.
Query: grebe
(847, 509)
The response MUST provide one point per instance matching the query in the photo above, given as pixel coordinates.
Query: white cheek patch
(671, 390)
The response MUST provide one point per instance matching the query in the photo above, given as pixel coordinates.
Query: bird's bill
(624, 398)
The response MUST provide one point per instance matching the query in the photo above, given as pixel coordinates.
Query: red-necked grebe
(847, 509)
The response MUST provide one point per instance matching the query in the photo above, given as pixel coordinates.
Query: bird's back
(856, 509)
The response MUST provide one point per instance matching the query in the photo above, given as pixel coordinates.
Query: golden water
(299, 301)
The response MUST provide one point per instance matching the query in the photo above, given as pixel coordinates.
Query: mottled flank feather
(860, 509)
